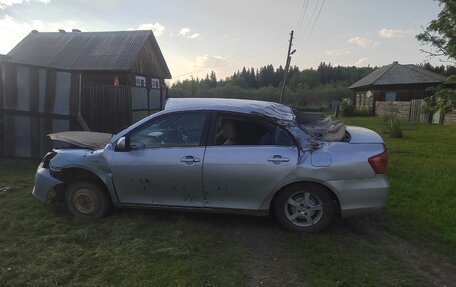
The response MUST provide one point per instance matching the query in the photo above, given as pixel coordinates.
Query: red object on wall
(116, 81)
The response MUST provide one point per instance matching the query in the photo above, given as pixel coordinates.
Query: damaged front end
(58, 168)
(46, 185)
(83, 139)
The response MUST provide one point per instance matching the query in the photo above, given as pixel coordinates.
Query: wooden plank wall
(106, 108)
(29, 109)
(1, 109)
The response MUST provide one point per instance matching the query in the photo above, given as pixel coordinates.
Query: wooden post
(286, 67)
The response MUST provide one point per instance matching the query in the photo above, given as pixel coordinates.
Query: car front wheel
(304, 207)
(87, 200)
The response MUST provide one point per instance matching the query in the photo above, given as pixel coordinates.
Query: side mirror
(121, 144)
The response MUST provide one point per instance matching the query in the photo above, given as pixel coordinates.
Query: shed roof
(90, 51)
(397, 74)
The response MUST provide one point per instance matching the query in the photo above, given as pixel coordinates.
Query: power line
(246, 52)
(257, 47)
(306, 29)
(316, 19)
(303, 14)
(227, 63)
(233, 59)
(313, 14)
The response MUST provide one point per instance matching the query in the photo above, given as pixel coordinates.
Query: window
(155, 84)
(231, 130)
(390, 96)
(182, 129)
(23, 89)
(281, 137)
(140, 81)
(62, 93)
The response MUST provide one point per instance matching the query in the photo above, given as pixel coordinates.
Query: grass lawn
(43, 246)
(422, 174)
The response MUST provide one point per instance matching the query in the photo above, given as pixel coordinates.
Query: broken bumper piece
(44, 184)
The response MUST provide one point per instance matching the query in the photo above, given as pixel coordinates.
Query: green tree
(441, 32)
(212, 80)
(440, 99)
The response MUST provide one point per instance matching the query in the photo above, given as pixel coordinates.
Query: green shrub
(347, 110)
(393, 127)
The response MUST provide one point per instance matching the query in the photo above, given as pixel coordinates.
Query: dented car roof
(269, 109)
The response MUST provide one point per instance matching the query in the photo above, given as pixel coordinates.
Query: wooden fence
(106, 108)
(416, 112)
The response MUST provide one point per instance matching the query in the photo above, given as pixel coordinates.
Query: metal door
(164, 166)
(241, 177)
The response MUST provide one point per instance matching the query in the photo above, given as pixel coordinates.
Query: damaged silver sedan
(222, 155)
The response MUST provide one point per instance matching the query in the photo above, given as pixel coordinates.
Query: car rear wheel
(304, 207)
(87, 199)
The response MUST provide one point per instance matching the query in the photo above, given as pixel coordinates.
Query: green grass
(422, 174)
(42, 245)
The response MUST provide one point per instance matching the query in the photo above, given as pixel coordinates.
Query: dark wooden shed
(99, 81)
(394, 83)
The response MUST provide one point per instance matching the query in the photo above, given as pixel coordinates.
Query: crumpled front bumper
(44, 183)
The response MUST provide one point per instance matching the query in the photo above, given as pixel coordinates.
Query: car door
(245, 161)
(162, 162)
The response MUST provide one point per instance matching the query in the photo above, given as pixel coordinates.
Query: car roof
(268, 109)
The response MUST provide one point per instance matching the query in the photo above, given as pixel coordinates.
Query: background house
(394, 85)
(99, 81)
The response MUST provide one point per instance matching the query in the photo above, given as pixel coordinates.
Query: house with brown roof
(395, 84)
(97, 81)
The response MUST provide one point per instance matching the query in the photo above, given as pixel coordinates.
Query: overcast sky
(197, 36)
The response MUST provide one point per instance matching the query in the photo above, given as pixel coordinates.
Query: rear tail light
(379, 162)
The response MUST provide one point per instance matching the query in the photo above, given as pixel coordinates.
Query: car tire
(86, 199)
(304, 207)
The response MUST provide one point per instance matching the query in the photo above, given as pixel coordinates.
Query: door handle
(278, 159)
(190, 159)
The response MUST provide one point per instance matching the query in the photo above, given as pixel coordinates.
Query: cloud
(12, 31)
(395, 33)
(9, 3)
(361, 61)
(157, 28)
(186, 32)
(338, 52)
(361, 41)
(194, 36)
(208, 61)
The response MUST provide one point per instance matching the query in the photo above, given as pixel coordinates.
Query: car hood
(363, 135)
(83, 139)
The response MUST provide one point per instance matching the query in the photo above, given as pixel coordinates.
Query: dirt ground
(269, 266)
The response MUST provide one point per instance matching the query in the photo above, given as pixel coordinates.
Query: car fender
(88, 160)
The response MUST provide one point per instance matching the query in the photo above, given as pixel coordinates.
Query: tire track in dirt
(433, 267)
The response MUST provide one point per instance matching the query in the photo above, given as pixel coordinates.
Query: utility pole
(287, 66)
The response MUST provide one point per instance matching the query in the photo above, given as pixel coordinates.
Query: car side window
(281, 137)
(232, 130)
(175, 130)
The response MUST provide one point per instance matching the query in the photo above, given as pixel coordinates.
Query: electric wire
(315, 22)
